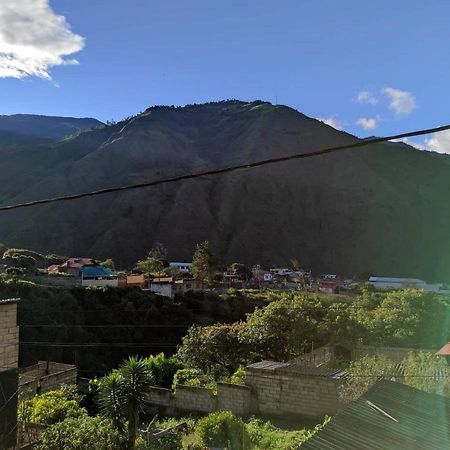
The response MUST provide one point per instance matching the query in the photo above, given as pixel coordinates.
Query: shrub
(163, 369)
(50, 407)
(238, 377)
(222, 429)
(192, 377)
(82, 433)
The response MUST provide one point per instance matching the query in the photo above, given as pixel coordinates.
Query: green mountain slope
(381, 209)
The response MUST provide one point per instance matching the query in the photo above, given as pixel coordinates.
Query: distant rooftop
(296, 369)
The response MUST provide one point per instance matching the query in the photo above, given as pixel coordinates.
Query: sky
(369, 68)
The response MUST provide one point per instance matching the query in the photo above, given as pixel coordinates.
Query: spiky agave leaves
(123, 395)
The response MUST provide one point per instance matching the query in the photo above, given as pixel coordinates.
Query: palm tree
(123, 396)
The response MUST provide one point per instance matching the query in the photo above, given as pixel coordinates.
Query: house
(180, 287)
(72, 266)
(136, 280)
(163, 286)
(403, 283)
(281, 271)
(328, 283)
(262, 276)
(389, 416)
(98, 276)
(184, 267)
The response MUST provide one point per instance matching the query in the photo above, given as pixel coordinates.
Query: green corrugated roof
(390, 416)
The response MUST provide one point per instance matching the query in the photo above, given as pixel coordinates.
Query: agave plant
(123, 396)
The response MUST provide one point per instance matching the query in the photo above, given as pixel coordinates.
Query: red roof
(445, 350)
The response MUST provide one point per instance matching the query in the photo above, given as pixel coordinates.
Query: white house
(403, 283)
(184, 267)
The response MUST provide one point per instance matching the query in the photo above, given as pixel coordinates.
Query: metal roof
(97, 271)
(8, 300)
(390, 416)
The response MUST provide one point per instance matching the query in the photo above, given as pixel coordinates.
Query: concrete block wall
(9, 335)
(45, 376)
(233, 397)
(308, 396)
(194, 398)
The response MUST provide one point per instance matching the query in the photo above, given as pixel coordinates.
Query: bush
(238, 377)
(50, 408)
(222, 429)
(192, 377)
(82, 433)
(163, 369)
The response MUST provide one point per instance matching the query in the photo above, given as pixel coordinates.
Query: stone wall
(45, 376)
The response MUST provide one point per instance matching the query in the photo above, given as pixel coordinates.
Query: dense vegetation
(97, 328)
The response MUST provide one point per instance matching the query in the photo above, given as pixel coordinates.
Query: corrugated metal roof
(390, 416)
(97, 271)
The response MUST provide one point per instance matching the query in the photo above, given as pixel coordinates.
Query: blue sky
(371, 68)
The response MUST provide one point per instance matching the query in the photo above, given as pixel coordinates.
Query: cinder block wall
(309, 396)
(9, 335)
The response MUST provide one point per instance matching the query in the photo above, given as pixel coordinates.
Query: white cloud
(366, 97)
(439, 142)
(418, 145)
(332, 121)
(368, 123)
(33, 39)
(401, 102)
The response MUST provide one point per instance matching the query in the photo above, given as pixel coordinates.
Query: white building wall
(100, 283)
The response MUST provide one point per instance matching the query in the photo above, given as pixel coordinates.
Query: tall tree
(204, 264)
(155, 262)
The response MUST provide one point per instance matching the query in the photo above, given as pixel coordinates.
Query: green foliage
(266, 436)
(204, 264)
(163, 369)
(428, 372)
(362, 375)
(238, 376)
(222, 429)
(155, 262)
(212, 348)
(122, 396)
(193, 377)
(50, 407)
(108, 263)
(83, 433)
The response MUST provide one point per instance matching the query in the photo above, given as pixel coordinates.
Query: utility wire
(228, 169)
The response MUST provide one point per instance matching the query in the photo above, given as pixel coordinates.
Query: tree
(242, 271)
(82, 433)
(108, 263)
(163, 369)
(361, 375)
(428, 372)
(155, 262)
(122, 396)
(204, 264)
(212, 348)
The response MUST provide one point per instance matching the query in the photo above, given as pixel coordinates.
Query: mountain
(43, 127)
(381, 209)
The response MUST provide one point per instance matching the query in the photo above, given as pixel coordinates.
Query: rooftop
(390, 416)
(295, 368)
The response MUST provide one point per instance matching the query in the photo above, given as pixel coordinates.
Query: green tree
(204, 264)
(122, 396)
(428, 372)
(361, 375)
(108, 263)
(82, 433)
(212, 348)
(242, 271)
(155, 262)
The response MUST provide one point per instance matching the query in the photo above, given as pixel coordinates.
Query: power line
(228, 169)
